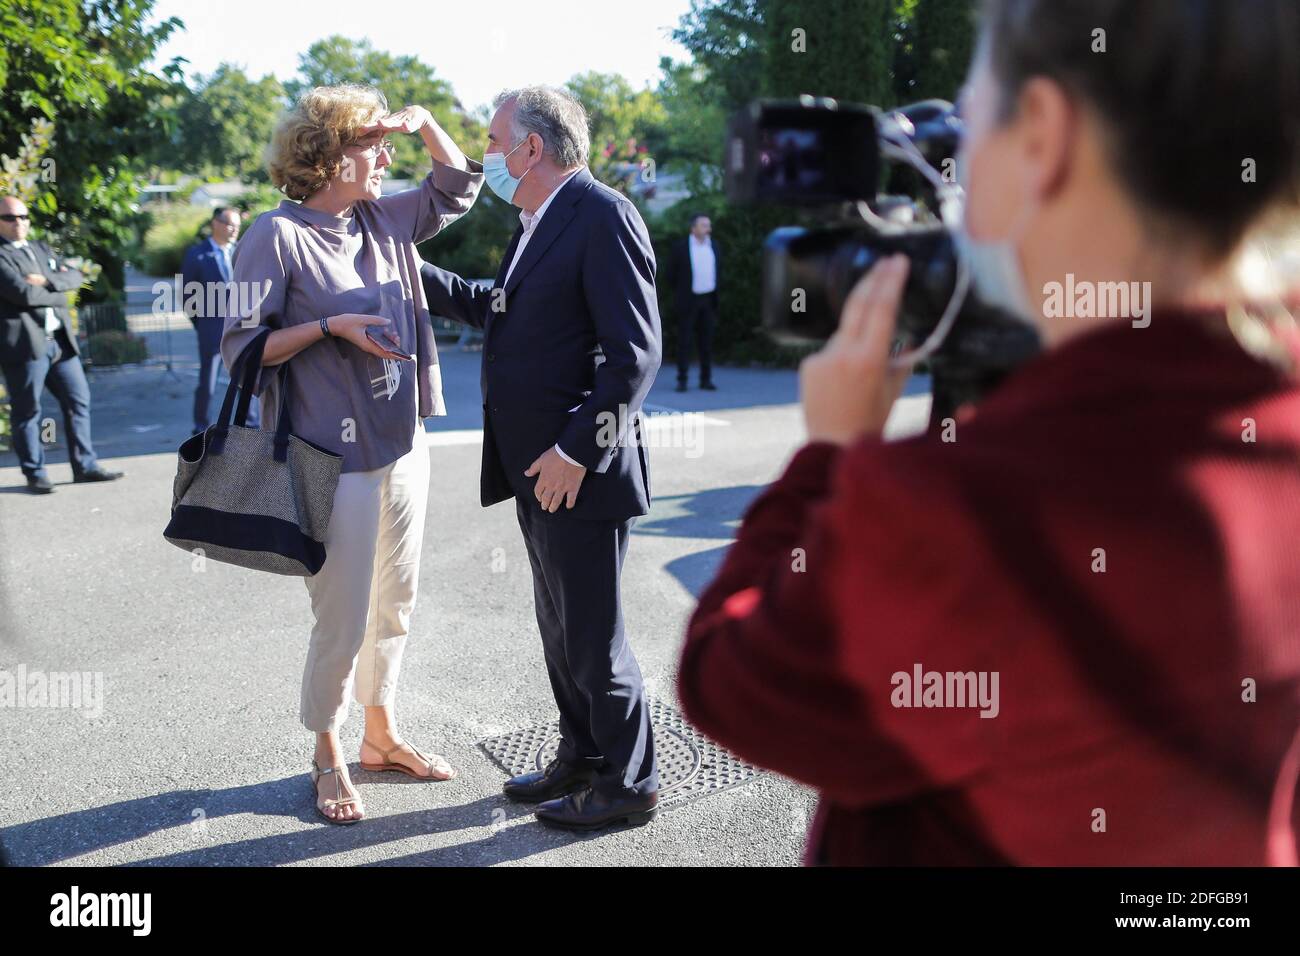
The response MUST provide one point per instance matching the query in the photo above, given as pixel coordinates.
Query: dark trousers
(66, 379)
(209, 333)
(604, 719)
(695, 322)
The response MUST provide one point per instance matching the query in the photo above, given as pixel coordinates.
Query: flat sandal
(339, 800)
(403, 768)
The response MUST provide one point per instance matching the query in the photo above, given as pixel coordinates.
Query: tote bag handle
(243, 377)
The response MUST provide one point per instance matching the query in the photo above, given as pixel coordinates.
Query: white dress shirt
(52, 322)
(529, 223)
(704, 266)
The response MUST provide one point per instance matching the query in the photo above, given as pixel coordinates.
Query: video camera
(829, 156)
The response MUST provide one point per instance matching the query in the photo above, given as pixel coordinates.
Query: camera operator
(1108, 543)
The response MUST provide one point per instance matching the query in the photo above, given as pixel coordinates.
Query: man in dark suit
(206, 272)
(696, 280)
(37, 349)
(571, 347)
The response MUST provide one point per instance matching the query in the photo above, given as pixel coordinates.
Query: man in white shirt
(37, 349)
(695, 276)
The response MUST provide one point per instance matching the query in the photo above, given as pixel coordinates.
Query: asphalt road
(196, 755)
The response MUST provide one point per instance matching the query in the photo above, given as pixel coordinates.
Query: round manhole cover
(676, 754)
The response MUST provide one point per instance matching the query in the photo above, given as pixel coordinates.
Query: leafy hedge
(116, 348)
(171, 231)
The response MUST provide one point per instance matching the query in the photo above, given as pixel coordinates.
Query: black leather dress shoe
(556, 780)
(98, 474)
(708, 386)
(681, 386)
(40, 486)
(589, 810)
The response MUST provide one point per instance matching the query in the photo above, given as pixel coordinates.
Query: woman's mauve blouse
(296, 265)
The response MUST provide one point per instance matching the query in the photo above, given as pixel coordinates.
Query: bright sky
(479, 46)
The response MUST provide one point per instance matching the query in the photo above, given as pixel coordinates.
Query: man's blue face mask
(497, 175)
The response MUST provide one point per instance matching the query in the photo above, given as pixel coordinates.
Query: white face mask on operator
(994, 266)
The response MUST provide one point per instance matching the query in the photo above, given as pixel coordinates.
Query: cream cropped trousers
(363, 595)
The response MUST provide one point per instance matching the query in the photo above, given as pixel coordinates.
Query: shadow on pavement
(55, 839)
(712, 513)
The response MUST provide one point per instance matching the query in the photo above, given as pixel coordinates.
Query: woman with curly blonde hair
(337, 274)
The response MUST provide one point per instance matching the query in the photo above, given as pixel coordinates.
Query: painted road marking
(658, 417)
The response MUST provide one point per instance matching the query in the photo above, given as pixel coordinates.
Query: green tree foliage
(81, 64)
(625, 126)
(727, 40)
(225, 122)
(696, 114)
(172, 229)
(839, 48)
(24, 173)
(936, 40)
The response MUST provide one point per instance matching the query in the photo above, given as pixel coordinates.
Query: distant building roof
(666, 190)
(213, 194)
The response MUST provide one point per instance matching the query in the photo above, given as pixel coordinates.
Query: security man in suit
(206, 274)
(38, 349)
(696, 276)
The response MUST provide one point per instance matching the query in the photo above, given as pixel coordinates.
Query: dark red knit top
(1115, 534)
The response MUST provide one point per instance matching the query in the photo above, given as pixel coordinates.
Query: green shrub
(172, 230)
(116, 348)
(259, 198)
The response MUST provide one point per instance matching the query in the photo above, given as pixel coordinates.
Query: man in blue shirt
(206, 273)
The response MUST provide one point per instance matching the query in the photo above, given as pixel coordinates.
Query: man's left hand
(34, 278)
(558, 481)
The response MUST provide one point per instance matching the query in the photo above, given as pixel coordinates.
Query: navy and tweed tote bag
(254, 498)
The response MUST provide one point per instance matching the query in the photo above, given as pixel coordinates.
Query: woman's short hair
(1200, 101)
(306, 150)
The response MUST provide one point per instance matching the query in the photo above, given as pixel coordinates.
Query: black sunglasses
(14, 217)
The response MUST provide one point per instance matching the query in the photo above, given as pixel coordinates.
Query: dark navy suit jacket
(576, 325)
(204, 264)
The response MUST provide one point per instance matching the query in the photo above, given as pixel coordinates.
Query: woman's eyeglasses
(372, 152)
